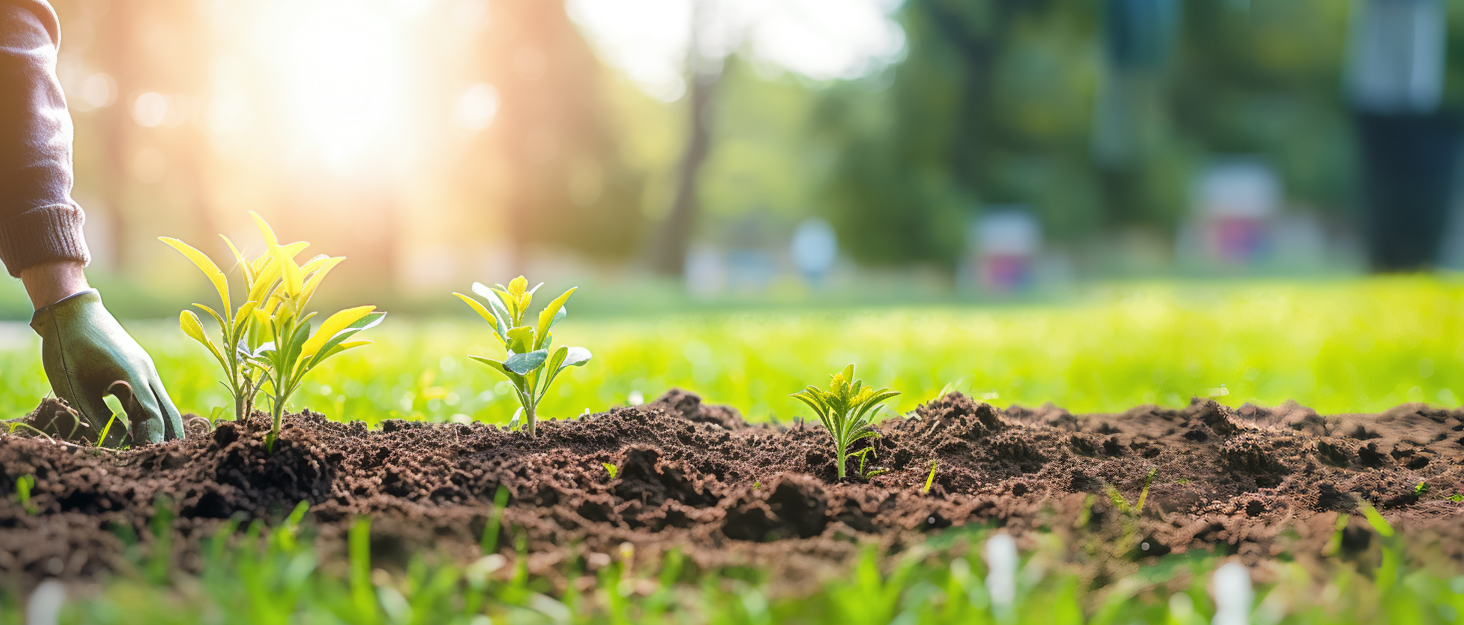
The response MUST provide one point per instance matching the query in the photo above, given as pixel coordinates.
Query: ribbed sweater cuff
(43, 235)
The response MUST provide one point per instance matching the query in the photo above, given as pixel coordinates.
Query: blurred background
(680, 151)
(735, 155)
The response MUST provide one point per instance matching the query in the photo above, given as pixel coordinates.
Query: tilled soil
(1251, 481)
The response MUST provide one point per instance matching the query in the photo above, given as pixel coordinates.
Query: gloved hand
(87, 355)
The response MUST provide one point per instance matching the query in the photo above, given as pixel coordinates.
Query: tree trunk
(668, 256)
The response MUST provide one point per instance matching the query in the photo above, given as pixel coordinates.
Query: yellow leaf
(244, 264)
(319, 274)
(194, 329)
(208, 267)
(331, 327)
(546, 316)
(294, 280)
(270, 242)
(517, 286)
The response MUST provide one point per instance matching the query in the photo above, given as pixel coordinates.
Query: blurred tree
(567, 183)
(989, 106)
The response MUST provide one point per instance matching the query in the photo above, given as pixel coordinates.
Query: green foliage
(268, 338)
(529, 365)
(267, 577)
(1420, 489)
(846, 410)
(23, 486)
(488, 544)
(611, 469)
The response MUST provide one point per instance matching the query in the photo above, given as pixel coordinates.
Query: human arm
(85, 353)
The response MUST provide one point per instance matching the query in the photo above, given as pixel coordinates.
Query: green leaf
(332, 326)
(576, 357)
(546, 316)
(364, 323)
(206, 265)
(521, 339)
(194, 329)
(495, 365)
(492, 319)
(522, 364)
(495, 301)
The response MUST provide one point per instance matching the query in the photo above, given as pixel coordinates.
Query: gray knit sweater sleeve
(39, 223)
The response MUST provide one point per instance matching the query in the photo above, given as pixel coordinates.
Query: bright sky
(820, 39)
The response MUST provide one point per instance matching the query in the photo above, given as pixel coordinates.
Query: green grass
(1350, 346)
(265, 577)
(1338, 347)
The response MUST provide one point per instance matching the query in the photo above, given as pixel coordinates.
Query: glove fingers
(142, 411)
(172, 420)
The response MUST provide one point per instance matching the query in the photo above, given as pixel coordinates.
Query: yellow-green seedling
(243, 329)
(847, 411)
(930, 479)
(291, 348)
(1120, 502)
(23, 486)
(528, 365)
(611, 469)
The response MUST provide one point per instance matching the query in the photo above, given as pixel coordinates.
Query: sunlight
(341, 82)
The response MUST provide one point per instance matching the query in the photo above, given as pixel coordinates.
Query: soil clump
(1251, 481)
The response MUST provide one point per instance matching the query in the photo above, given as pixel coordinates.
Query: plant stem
(841, 459)
(529, 420)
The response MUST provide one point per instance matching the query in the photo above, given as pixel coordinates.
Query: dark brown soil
(1252, 481)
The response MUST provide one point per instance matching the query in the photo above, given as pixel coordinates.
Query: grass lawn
(1350, 346)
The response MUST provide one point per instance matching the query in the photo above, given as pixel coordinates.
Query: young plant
(930, 479)
(528, 366)
(292, 349)
(241, 329)
(846, 410)
(23, 486)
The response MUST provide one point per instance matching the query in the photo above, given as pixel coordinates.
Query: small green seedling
(930, 479)
(846, 410)
(529, 365)
(1456, 497)
(1120, 502)
(864, 455)
(115, 406)
(23, 486)
(611, 469)
(1421, 489)
(488, 545)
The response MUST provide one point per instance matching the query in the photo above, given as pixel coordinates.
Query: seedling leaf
(522, 364)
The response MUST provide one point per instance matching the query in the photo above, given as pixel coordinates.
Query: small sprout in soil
(1378, 523)
(488, 545)
(1421, 489)
(515, 422)
(846, 411)
(529, 366)
(611, 469)
(930, 479)
(865, 454)
(756, 485)
(1121, 503)
(23, 486)
(268, 338)
(1456, 497)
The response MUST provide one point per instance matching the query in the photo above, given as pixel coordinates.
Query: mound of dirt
(724, 492)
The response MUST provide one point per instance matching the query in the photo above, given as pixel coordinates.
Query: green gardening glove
(87, 355)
